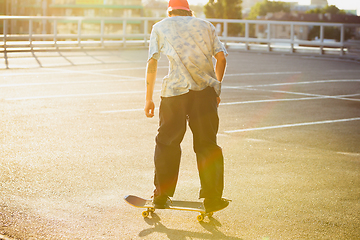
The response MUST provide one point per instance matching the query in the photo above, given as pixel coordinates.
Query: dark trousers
(199, 108)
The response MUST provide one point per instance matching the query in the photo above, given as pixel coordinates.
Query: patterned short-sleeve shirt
(190, 44)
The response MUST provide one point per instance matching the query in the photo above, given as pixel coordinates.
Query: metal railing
(290, 44)
(51, 38)
(30, 40)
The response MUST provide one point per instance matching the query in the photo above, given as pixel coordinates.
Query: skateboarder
(190, 93)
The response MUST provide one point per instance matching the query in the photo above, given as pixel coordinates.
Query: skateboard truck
(199, 217)
(146, 213)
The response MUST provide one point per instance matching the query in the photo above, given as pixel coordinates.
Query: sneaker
(160, 201)
(215, 204)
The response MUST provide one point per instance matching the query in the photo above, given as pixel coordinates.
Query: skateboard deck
(172, 204)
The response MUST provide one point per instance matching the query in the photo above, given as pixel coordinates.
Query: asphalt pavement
(74, 141)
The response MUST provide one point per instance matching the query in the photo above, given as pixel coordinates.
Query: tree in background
(332, 9)
(213, 9)
(329, 32)
(260, 9)
(225, 9)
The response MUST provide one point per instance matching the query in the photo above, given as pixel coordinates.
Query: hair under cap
(178, 4)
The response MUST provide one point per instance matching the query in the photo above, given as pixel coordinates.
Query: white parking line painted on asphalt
(256, 101)
(257, 74)
(64, 71)
(293, 125)
(124, 110)
(59, 83)
(315, 96)
(123, 69)
(348, 70)
(74, 82)
(350, 154)
(332, 59)
(95, 73)
(312, 96)
(27, 74)
(74, 95)
(292, 83)
(59, 71)
(294, 99)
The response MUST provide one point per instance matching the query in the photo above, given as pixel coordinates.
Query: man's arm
(220, 67)
(151, 71)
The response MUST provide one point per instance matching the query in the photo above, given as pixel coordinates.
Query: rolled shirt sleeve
(218, 45)
(154, 48)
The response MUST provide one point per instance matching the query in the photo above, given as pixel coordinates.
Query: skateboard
(172, 204)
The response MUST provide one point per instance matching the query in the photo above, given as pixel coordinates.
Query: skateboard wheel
(210, 214)
(151, 210)
(145, 214)
(200, 218)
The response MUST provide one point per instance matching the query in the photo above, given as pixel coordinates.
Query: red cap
(178, 4)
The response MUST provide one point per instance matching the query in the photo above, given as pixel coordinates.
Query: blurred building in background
(78, 8)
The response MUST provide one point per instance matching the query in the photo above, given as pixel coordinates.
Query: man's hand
(218, 101)
(149, 108)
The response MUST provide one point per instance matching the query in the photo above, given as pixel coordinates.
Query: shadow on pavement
(210, 226)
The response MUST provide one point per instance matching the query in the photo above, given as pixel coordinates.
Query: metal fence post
(342, 39)
(55, 33)
(124, 33)
(292, 38)
(30, 33)
(79, 32)
(5, 35)
(268, 37)
(102, 26)
(247, 36)
(225, 33)
(321, 39)
(146, 25)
